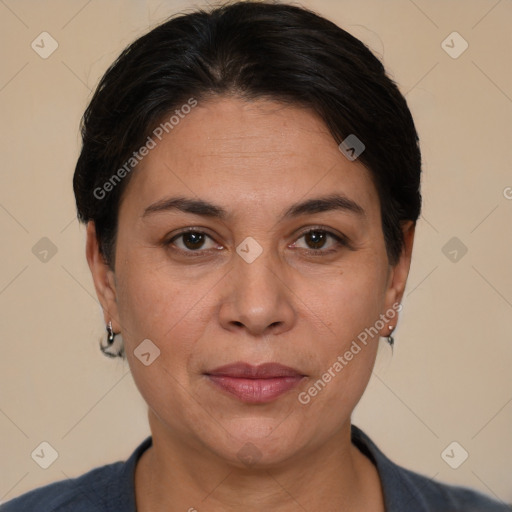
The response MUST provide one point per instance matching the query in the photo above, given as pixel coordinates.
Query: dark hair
(251, 50)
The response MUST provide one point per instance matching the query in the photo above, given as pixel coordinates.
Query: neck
(174, 475)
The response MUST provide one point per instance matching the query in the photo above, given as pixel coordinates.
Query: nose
(258, 299)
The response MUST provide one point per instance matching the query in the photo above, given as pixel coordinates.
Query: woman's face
(250, 284)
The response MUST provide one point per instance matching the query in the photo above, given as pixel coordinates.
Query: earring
(109, 349)
(391, 340)
(110, 334)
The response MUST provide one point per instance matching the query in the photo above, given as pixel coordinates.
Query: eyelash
(340, 240)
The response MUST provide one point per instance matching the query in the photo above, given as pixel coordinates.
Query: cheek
(168, 308)
(172, 314)
(349, 307)
(151, 301)
(346, 302)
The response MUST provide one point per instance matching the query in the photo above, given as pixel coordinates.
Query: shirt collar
(400, 495)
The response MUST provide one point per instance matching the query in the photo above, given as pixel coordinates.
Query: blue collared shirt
(111, 488)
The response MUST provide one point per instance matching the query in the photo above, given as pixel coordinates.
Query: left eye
(316, 239)
(192, 241)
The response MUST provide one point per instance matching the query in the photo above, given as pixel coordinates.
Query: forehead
(243, 153)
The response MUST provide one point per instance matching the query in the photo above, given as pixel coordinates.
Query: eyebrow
(332, 202)
(324, 204)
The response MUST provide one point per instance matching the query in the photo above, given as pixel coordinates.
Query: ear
(398, 277)
(103, 277)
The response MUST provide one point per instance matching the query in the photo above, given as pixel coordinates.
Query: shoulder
(105, 488)
(405, 490)
(85, 493)
(440, 497)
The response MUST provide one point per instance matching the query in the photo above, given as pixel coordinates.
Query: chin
(258, 442)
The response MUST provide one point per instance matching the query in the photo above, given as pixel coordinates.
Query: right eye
(191, 240)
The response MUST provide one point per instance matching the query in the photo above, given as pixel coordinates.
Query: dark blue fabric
(110, 488)
(405, 491)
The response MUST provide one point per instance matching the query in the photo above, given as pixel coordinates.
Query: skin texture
(303, 310)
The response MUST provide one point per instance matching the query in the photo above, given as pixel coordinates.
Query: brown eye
(316, 239)
(192, 241)
(320, 241)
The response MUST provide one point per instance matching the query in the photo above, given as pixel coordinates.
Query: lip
(255, 384)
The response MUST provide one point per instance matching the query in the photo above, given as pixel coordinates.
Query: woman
(250, 181)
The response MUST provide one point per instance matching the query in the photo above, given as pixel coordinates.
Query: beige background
(450, 377)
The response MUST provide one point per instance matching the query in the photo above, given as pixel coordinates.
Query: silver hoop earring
(114, 347)
(110, 334)
(390, 338)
